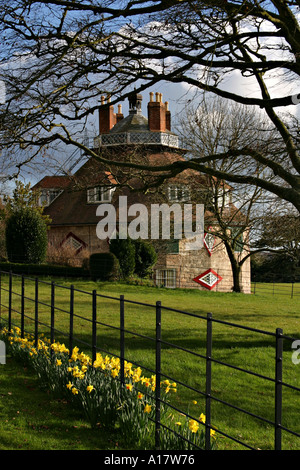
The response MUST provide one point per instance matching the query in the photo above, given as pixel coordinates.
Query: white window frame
(166, 277)
(46, 197)
(73, 243)
(174, 193)
(224, 198)
(100, 194)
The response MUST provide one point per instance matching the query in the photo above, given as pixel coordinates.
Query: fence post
(158, 375)
(122, 339)
(71, 320)
(36, 311)
(22, 305)
(278, 388)
(52, 312)
(208, 382)
(9, 300)
(94, 326)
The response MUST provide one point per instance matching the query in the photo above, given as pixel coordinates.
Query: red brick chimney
(168, 117)
(119, 114)
(107, 117)
(158, 120)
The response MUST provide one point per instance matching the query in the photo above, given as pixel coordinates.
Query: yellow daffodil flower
(147, 409)
(193, 425)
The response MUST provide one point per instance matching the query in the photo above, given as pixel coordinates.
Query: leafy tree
(145, 257)
(26, 236)
(124, 250)
(22, 197)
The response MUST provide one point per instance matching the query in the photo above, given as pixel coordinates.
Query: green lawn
(239, 347)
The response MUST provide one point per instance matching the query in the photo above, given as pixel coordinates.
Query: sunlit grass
(239, 347)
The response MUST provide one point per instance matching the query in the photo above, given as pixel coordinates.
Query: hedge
(44, 270)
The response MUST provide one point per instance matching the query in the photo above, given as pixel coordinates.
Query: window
(172, 247)
(48, 195)
(224, 198)
(238, 239)
(73, 242)
(166, 278)
(178, 193)
(100, 194)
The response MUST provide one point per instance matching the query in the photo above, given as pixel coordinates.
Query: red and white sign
(209, 240)
(208, 279)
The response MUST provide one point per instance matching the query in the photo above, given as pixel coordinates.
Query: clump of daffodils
(96, 386)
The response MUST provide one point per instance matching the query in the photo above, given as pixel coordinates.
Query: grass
(239, 347)
(32, 419)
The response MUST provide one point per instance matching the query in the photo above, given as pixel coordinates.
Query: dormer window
(100, 194)
(178, 193)
(47, 196)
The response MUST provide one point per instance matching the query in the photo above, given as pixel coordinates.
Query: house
(72, 202)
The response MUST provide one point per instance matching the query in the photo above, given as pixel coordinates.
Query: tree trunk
(236, 271)
(235, 268)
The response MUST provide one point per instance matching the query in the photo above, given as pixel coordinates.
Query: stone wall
(189, 265)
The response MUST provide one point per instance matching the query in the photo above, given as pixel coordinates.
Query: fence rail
(14, 286)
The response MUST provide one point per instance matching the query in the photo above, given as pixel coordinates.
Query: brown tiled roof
(53, 182)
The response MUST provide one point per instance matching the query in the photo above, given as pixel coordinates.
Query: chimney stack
(107, 117)
(168, 116)
(159, 117)
(119, 114)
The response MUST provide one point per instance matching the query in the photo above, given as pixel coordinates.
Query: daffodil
(90, 388)
(147, 409)
(193, 425)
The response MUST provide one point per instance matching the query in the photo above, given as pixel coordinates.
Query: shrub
(124, 250)
(26, 236)
(104, 266)
(44, 270)
(145, 257)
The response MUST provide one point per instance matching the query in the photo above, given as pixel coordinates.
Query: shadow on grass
(34, 419)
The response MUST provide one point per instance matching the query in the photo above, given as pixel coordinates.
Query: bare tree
(59, 56)
(236, 210)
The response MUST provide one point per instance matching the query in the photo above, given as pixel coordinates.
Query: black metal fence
(13, 285)
(288, 289)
